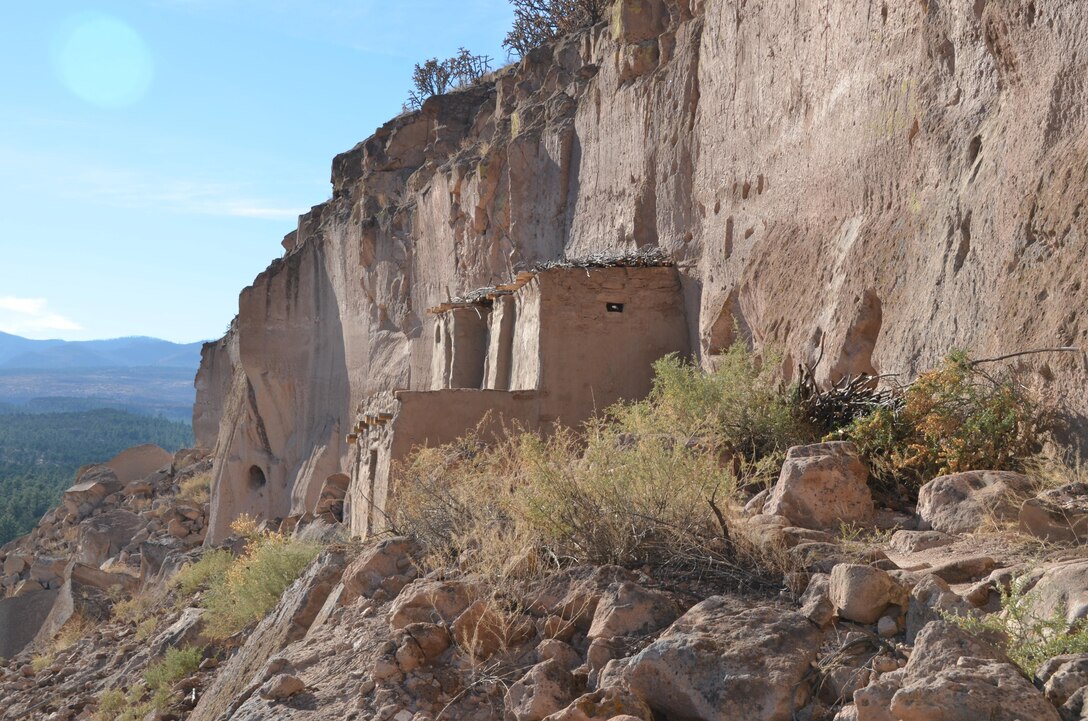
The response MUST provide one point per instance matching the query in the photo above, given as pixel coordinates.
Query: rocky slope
(831, 179)
(375, 632)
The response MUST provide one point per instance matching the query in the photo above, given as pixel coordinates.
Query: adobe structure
(552, 348)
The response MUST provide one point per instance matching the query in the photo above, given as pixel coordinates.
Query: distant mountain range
(140, 375)
(136, 352)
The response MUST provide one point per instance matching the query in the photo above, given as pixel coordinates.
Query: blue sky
(153, 153)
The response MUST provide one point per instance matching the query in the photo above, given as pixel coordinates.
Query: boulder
(1058, 516)
(385, 565)
(483, 629)
(605, 704)
(721, 662)
(862, 593)
(139, 462)
(547, 688)
(562, 653)
(931, 599)
(953, 676)
(573, 594)
(105, 535)
(92, 486)
(1063, 586)
(432, 639)
(431, 601)
(627, 608)
(281, 687)
(816, 603)
(970, 690)
(1061, 678)
(822, 486)
(103, 580)
(965, 502)
(963, 570)
(14, 565)
(917, 541)
(20, 619)
(186, 632)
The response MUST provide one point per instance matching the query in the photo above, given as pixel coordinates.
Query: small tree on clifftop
(438, 77)
(537, 22)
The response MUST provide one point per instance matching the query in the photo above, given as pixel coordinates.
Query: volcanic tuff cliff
(882, 180)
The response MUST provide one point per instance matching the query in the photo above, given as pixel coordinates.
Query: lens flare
(103, 60)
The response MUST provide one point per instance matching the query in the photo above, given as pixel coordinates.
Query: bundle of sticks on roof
(849, 398)
(645, 257)
(480, 295)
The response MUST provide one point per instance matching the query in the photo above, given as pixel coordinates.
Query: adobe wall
(425, 418)
(590, 356)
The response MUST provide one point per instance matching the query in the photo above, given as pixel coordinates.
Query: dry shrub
(77, 628)
(951, 419)
(137, 608)
(742, 410)
(193, 577)
(175, 665)
(1055, 467)
(526, 505)
(438, 77)
(252, 583)
(651, 482)
(196, 489)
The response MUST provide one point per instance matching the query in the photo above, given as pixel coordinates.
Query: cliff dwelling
(554, 347)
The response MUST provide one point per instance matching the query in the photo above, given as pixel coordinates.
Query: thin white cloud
(129, 188)
(31, 317)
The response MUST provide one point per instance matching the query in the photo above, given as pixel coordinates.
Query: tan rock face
(822, 486)
(827, 177)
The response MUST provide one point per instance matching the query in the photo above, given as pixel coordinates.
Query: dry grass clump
(244, 590)
(196, 489)
(40, 662)
(77, 628)
(525, 504)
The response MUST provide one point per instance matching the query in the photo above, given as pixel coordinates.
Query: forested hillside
(40, 453)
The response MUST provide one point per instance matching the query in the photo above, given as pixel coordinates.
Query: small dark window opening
(256, 477)
(614, 307)
(372, 471)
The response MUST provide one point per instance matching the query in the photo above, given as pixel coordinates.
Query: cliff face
(884, 181)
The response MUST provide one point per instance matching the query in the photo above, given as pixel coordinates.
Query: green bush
(176, 665)
(952, 419)
(254, 582)
(741, 409)
(211, 568)
(1028, 638)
